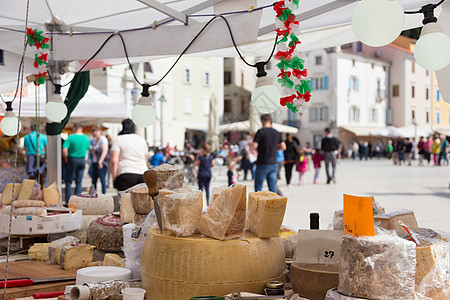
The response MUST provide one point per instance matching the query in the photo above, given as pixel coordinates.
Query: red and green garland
(36, 38)
(292, 72)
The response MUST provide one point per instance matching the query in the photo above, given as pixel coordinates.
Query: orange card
(358, 215)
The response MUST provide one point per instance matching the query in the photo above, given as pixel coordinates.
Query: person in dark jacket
(290, 156)
(329, 146)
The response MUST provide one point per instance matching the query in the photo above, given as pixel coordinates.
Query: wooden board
(35, 270)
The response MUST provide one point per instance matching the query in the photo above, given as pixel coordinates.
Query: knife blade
(158, 213)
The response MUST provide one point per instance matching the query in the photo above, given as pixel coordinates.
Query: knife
(27, 281)
(157, 212)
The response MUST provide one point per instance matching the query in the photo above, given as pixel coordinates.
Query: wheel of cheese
(180, 268)
(312, 281)
(100, 205)
(106, 233)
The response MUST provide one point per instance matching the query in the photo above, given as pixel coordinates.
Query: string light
(265, 97)
(9, 121)
(143, 113)
(55, 109)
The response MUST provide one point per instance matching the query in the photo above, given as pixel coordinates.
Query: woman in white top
(129, 157)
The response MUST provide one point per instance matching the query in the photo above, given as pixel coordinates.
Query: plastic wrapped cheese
(182, 212)
(265, 213)
(7, 193)
(140, 200)
(26, 189)
(388, 221)
(225, 217)
(377, 267)
(164, 176)
(101, 204)
(28, 203)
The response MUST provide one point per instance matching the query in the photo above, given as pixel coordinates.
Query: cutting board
(35, 270)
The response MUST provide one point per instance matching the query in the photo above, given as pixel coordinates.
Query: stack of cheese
(50, 251)
(230, 262)
(27, 191)
(92, 208)
(106, 235)
(22, 205)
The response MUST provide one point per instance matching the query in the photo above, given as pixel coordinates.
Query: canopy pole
(54, 155)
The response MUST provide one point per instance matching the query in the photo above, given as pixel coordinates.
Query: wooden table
(35, 270)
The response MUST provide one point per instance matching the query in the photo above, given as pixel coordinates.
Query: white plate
(102, 273)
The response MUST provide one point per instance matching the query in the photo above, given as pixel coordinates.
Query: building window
(319, 83)
(395, 90)
(427, 117)
(427, 92)
(187, 105)
(373, 116)
(413, 90)
(2, 62)
(353, 83)
(379, 91)
(373, 65)
(413, 114)
(227, 77)
(227, 106)
(413, 67)
(438, 118)
(318, 60)
(148, 67)
(354, 114)
(206, 101)
(187, 75)
(353, 62)
(318, 114)
(384, 68)
(206, 78)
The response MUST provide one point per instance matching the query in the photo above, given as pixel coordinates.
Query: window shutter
(350, 81)
(312, 83)
(311, 112)
(438, 95)
(357, 84)
(325, 82)
(325, 113)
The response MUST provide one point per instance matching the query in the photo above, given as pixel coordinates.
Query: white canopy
(95, 107)
(245, 126)
(406, 131)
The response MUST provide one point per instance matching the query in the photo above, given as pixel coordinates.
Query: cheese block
(140, 200)
(164, 176)
(81, 233)
(95, 264)
(106, 233)
(126, 209)
(26, 189)
(7, 193)
(113, 260)
(161, 198)
(76, 256)
(182, 212)
(54, 254)
(139, 219)
(388, 221)
(265, 213)
(180, 268)
(102, 204)
(51, 194)
(28, 203)
(99, 255)
(39, 251)
(225, 217)
(215, 192)
(377, 267)
(338, 220)
(29, 211)
(312, 281)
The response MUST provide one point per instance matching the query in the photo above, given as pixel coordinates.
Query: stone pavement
(425, 190)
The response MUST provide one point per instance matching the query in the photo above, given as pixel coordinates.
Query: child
(302, 167)
(232, 161)
(317, 160)
(205, 162)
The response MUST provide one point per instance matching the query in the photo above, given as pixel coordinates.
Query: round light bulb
(377, 23)
(266, 96)
(55, 109)
(143, 113)
(9, 124)
(432, 50)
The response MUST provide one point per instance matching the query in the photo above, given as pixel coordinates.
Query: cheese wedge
(26, 189)
(265, 213)
(39, 251)
(7, 193)
(113, 260)
(225, 218)
(51, 194)
(76, 256)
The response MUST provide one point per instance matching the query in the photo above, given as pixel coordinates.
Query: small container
(133, 294)
(274, 288)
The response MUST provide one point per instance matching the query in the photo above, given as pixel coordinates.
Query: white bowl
(102, 273)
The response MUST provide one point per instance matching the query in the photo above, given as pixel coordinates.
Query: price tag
(319, 246)
(358, 216)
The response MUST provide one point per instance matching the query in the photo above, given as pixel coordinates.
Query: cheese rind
(113, 260)
(76, 256)
(102, 204)
(26, 189)
(377, 267)
(225, 217)
(388, 221)
(39, 251)
(164, 176)
(28, 203)
(126, 209)
(29, 211)
(51, 194)
(180, 268)
(182, 212)
(7, 193)
(140, 200)
(265, 213)
(106, 238)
